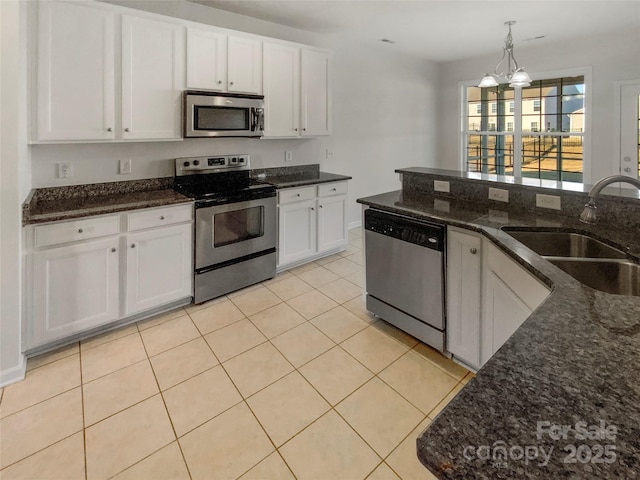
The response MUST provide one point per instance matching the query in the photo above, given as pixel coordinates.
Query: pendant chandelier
(516, 75)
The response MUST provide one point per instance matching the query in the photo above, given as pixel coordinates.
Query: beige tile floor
(291, 378)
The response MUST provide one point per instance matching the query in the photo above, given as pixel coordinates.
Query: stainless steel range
(235, 223)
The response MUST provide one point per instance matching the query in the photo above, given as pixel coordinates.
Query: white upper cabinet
(315, 89)
(219, 62)
(281, 90)
(297, 91)
(244, 65)
(76, 72)
(152, 78)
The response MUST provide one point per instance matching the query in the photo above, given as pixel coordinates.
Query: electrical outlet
(329, 154)
(125, 166)
(548, 201)
(441, 186)
(288, 155)
(499, 194)
(64, 170)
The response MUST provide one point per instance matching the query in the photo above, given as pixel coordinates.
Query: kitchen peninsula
(573, 360)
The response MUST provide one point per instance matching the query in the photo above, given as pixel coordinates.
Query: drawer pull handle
(80, 230)
(113, 249)
(133, 245)
(161, 217)
(473, 251)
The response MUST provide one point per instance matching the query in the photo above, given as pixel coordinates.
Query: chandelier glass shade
(507, 68)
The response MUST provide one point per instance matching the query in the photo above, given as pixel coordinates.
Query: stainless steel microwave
(210, 114)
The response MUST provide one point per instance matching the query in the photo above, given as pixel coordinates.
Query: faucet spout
(589, 215)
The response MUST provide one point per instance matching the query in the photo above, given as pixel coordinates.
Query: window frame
(586, 72)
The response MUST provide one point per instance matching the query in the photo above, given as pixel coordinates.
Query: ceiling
(444, 30)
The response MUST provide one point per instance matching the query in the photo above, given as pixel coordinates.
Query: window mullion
(517, 132)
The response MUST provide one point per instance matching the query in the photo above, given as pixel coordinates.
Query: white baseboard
(356, 224)
(13, 374)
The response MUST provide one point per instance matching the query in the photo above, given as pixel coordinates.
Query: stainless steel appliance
(235, 224)
(405, 274)
(209, 114)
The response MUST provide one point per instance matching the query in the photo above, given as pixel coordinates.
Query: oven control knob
(186, 164)
(196, 162)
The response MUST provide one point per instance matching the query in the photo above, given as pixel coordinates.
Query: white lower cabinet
(312, 222)
(489, 295)
(75, 288)
(85, 273)
(154, 277)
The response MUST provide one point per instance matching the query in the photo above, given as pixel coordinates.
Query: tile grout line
(84, 423)
(175, 434)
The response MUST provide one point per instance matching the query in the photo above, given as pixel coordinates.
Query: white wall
(12, 161)
(614, 57)
(384, 118)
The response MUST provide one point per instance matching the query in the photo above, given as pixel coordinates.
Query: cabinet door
(159, 267)
(463, 295)
(316, 93)
(296, 231)
(152, 78)
(206, 60)
(75, 79)
(332, 222)
(503, 313)
(281, 90)
(75, 288)
(244, 65)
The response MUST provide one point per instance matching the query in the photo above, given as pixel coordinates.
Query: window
(544, 140)
(479, 108)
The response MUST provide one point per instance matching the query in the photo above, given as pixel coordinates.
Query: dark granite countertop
(65, 203)
(296, 176)
(575, 359)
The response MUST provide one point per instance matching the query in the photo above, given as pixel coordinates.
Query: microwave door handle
(257, 119)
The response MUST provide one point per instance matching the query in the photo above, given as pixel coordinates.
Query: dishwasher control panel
(418, 232)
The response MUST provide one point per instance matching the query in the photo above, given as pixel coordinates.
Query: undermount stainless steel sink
(610, 276)
(565, 244)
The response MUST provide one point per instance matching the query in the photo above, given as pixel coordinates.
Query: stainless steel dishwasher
(405, 274)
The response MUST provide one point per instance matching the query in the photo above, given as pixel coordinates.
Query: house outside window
(542, 137)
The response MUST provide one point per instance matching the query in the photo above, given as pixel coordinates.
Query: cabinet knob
(320, 206)
(304, 129)
(161, 217)
(230, 83)
(126, 129)
(295, 129)
(627, 169)
(333, 190)
(133, 245)
(312, 209)
(80, 230)
(297, 195)
(473, 251)
(113, 249)
(220, 82)
(109, 129)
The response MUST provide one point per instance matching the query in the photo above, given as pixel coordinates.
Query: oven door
(227, 232)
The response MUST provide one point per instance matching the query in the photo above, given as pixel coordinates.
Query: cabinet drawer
(326, 189)
(158, 217)
(65, 232)
(296, 194)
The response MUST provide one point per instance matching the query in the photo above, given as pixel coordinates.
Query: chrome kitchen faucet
(588, 215)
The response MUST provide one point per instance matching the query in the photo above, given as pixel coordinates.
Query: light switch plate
(499, 194)
(441, 186)
(548, 201)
